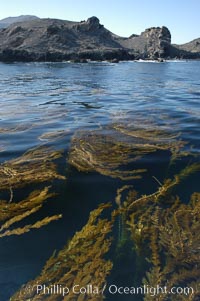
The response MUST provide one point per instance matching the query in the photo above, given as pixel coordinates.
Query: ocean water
(46, 104)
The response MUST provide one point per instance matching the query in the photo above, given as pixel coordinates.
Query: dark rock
(158, 42)
(153, 43)
(15, 30)
(57, 40)
(189, 50)
(133, 36)
(53, 29)
(93, 21)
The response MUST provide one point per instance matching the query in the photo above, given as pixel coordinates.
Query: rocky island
(29, 38)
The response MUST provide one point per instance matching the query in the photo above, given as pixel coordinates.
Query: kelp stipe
(121, 219)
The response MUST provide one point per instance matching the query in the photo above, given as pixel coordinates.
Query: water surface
(47, 103)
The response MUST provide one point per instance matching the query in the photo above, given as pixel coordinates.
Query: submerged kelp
(17, 128)
(111, 149)
(165, 231)
(153, 136)
(174, 241)
(35, 166)
(147, 221)
(13, 213)
(81, 263)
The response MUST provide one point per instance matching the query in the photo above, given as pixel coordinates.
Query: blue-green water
(61, 98)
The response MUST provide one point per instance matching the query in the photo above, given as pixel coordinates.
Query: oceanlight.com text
(150, 290)
(112, 289)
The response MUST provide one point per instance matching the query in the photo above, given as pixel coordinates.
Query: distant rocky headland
(29, 38)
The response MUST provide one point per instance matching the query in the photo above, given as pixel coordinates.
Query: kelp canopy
(35, 166)
(111, 149)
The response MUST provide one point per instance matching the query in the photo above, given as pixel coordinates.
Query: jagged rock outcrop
(158, 42)
(93, 23)
(57, 40)
(153, 43)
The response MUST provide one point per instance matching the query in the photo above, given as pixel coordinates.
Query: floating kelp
(96, 151)
(17, 128)
(35, 166)
(52, 136)
(153, 137)
(111, 149)
(12, 213)
(80, 264)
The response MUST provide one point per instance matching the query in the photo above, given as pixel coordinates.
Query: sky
(122, 17)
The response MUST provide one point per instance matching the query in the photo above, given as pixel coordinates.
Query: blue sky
(123, 17)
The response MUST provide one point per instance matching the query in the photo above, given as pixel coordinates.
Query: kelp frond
(27, 228)
(12, 213)
(165, 232)
(179, 241)
(81, 262)
(52, 136)
(165, 189)
(96, 151)
(111, 149)
(152, 135)
(17, 128)
(148, 132)
(35, 166)
(170, 233)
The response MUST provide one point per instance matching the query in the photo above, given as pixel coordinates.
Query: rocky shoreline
(53, 40)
